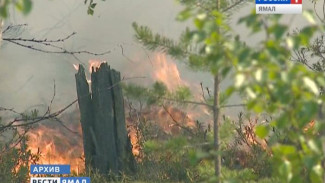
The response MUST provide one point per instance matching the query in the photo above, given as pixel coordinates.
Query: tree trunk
(216, 125)
(86, 116)
(106, 144)
(216, 116)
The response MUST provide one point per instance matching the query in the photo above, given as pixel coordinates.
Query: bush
(15, 163)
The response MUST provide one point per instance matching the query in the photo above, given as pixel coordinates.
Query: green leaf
(278, 30)
(309, 15)
(3, 11)
(239, 80)
(314, 147)
(284, 149)
(262, 131)
(151, 145)
(90, 11)
(285, 170)
(184, 15)
(316, 175)
(311, 85)
(93, 5)
(27, 6)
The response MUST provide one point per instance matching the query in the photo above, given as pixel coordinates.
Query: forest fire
(57, 143)
(167, 72)
(204, 91)
(166, 121)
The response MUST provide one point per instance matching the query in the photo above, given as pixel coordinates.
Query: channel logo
(54, 170)
(60, 180)
(50, 169)
(278, 6)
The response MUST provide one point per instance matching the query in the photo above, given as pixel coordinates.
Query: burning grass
(59, 141)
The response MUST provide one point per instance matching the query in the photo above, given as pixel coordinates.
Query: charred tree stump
(107, 146)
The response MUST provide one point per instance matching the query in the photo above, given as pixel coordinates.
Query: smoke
(1, 24)
(27, 77)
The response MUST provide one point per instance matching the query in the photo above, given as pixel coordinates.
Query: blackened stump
(107, 146)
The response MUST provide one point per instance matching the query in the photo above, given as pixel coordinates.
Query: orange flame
(76, 66)
(57, 145)
(167, 72)
(94, 64)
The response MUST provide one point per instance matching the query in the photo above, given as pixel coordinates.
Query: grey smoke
(26, 76)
